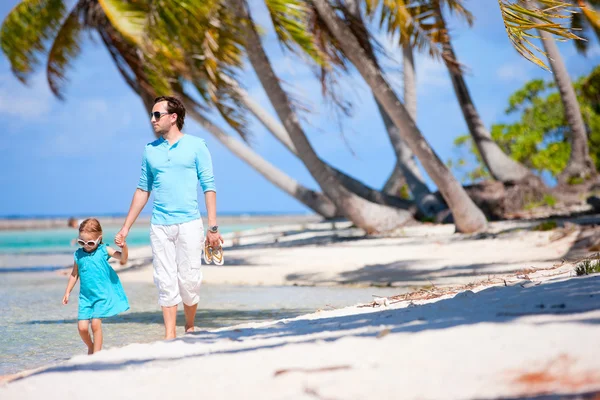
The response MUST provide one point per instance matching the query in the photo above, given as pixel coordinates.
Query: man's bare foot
(189, 329)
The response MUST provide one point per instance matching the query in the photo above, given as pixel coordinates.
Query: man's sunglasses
(157, 115)
(90, 243)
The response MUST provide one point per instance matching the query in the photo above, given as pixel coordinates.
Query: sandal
(213, 255)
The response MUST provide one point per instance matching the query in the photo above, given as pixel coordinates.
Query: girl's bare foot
(90, 350)
(189, 329)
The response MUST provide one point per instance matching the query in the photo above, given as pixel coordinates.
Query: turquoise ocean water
(57, 241)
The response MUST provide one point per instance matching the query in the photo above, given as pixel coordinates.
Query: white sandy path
(431, 255)
(497, 342)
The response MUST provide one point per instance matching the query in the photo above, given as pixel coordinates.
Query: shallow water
(36, 329)
(53, 241)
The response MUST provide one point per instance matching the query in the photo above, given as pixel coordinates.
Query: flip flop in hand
(213, 254)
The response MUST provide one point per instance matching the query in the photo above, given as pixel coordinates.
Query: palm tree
(499, 164)
(65, 34)
(369, 216)
(422, 23)
(406, 169)
(580, 165)
(467, 216)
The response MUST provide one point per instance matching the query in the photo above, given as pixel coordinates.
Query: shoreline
(8, 224)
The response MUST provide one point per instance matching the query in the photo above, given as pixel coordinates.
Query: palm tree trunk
(406, 169)
(428, 203)
(499, 164)
(352, 184)
(580, 163)
(313, 200)
(467, 216)
(369, 216)
(409, 171)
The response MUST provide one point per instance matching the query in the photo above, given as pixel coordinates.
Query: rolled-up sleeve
(204, 168)
(146, 178)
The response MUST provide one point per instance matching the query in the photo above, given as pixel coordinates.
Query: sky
(81, 156)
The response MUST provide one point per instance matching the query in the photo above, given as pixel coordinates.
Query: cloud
(513, 72)
(32, 101)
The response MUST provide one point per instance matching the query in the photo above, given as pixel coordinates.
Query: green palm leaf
(290, 19)
(64, 49)
(128, 17)
(26, 30)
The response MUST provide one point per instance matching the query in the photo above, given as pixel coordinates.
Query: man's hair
(174, 106)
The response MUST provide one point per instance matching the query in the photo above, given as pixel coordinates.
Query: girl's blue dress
(101, 294)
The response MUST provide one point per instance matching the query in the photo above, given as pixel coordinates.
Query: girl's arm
(122, 255)
(72, 280)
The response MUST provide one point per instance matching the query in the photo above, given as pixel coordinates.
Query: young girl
(100, 292)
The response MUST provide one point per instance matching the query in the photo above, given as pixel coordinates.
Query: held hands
(121, 236)
(214, 239)
(65, 298)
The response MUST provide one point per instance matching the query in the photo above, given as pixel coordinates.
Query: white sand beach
(494, 315)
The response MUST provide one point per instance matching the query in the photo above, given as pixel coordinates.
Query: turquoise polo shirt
(172, 172)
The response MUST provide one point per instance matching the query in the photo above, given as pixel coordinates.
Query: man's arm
(210, 199)
(139, 201)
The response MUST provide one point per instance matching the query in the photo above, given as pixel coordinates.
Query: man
(172, 166)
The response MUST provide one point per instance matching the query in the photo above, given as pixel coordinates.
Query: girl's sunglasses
(157, 115)
(90, 243)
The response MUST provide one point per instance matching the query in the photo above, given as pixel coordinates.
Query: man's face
(163, 123)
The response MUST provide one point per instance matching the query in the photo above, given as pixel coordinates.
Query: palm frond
(417, 23)
(25, 32)
(65, 48)
(579, 25)
(524, 16)
(591, 14)
(192, 40)
(128, 17)
(290, 19)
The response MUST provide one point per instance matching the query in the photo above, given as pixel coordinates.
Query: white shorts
(177, 259)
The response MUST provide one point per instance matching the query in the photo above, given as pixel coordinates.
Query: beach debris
(311, 370)
(380, 301)
(384, 332)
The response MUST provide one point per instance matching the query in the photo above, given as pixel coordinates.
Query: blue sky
(82, 156)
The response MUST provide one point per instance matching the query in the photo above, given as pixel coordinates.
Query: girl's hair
(90, 225)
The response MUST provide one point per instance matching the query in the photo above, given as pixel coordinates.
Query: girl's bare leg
(97, 330)
(84, 331)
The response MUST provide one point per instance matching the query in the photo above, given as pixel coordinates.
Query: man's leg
(190, 317)
(170, 318)
(165, 274)
(189, 245)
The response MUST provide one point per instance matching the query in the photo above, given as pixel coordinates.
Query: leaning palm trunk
(407, 166)
(354, 185)
(369, 216)
(313, 200)
(406, 169)
(499, 164)
(428, 203)
(467, 217)
(580, 164)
